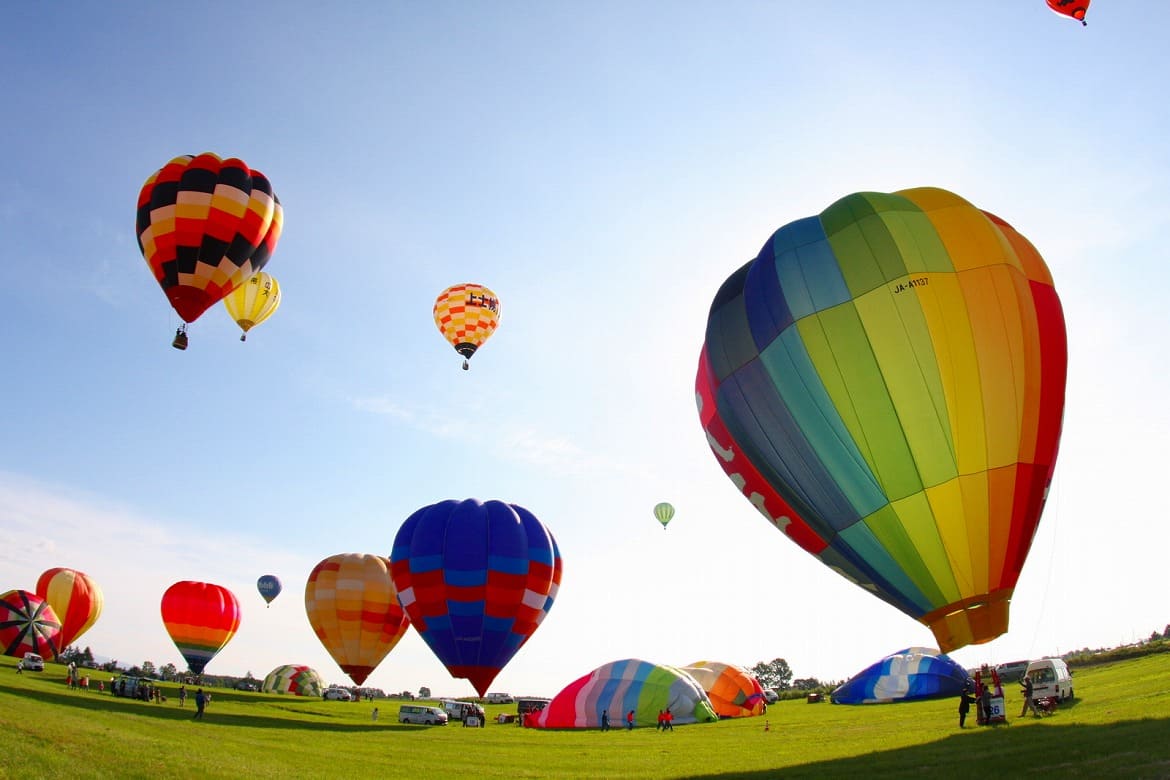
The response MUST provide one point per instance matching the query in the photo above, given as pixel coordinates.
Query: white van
(33, 663)
(461, 710)
(1050, 677)
(420, 713)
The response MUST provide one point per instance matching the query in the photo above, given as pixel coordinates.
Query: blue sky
(603, 167)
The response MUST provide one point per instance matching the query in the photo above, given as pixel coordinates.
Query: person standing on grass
(605, 720)
(965, 702)
(182, 695)
(200, 703)
(1029, 702)
(668, 720)
(630, 720)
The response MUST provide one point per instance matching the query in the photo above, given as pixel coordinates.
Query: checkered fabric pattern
(294, 679)
(476, 580)
(204, 226)
(353, 607)
(467, 314)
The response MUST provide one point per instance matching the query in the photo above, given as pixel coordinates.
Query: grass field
(1118, 726)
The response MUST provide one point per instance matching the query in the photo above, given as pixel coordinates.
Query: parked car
(33, 663)
(499, 698)
(337, 694)
(1012, 671)
(422, 714)
(1050, 677)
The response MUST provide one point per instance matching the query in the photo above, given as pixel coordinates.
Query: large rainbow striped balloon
(885, 383)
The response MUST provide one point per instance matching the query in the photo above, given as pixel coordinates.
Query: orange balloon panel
(353, 607)
(75, 598)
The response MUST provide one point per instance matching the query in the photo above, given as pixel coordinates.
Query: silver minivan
(420, 713)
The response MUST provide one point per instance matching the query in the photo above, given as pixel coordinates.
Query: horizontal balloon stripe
(456, 578)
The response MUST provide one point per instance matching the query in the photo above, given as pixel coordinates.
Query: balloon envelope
(205, 224)
(476, 580)
(663, 513)
(913, 673)
(734, 691)
(201, 618)
(467, 315)
(253, 301)
(1072, 8)
(76, 599)
(352, 605)
(885, 382)
(28, 625)
(269, 587)
(298, 680)
(621, 686)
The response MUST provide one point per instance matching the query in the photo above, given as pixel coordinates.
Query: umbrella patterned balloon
(352, 605)
(28, 625)
(885, 383)
(201, 618)
(76, 599)
(476, 580)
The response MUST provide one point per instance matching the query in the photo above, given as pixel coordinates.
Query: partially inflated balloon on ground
(298, 680)
(76, 599)
(885, 383)
(28, 625)
(621, 686)
(733, 690)
(201, 618)
(913, 673)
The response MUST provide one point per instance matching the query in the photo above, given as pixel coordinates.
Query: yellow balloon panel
(467, 315)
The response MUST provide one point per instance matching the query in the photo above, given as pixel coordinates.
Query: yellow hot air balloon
(253, 301)
(467, 315)
(353, 607)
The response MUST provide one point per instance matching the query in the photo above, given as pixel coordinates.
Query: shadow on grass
(169, 710)
(1134, 748)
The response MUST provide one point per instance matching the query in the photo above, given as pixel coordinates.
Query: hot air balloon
(201, 618)
(76, 599)
(253, 301)
(621, 686)
(28, 625)
(909, 674)
(269, 587)
(885, 383)
(353, 607)
(205, 224)
(663, 512)
(476, 580)
(298, 680)
(1072, 8)
(734, 691)
(467, 315)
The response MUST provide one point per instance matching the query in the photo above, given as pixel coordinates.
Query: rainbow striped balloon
(885, 383)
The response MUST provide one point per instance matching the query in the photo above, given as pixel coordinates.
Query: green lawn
(1118, 727)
